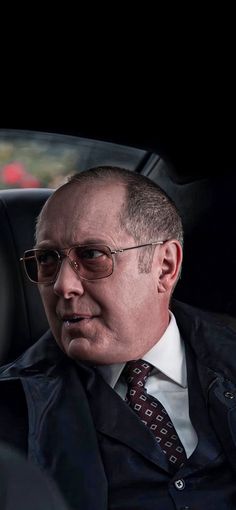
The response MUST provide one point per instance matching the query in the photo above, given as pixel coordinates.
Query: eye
(47, 257)
(90, 253)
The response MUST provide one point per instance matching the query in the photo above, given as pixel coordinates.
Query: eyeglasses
(90, 262)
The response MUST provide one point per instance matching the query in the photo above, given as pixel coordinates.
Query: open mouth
(76, 319)
(68, 321)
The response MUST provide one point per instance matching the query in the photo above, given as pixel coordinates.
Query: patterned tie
(152, 413)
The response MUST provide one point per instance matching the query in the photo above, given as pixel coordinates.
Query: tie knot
(136, 372)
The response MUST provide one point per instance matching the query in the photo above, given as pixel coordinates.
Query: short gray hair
(148, 214)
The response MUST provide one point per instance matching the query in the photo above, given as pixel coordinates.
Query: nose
(68, 282)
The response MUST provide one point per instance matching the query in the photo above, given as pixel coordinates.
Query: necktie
(151, 412)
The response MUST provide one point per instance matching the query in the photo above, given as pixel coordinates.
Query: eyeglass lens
(90, 262)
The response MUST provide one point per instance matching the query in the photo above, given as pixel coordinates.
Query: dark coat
(23, 486)
(70, 406)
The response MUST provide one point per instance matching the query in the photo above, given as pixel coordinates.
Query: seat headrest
(23, 319)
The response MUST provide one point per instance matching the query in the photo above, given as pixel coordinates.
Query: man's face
(103, 321)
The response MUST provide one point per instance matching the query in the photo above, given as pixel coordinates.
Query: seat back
(23, 319)
(208, 210)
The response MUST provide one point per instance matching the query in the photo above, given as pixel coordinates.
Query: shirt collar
(167, 356)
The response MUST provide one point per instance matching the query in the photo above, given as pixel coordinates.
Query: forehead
(77, 211)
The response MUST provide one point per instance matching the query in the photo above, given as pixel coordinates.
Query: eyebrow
(47, 245)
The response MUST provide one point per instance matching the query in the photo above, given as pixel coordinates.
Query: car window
(33, 159)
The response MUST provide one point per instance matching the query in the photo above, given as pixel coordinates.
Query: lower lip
(71, 325)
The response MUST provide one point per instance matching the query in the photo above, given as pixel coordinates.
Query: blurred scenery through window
(33, 159)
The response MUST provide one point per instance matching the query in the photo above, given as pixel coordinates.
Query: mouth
(69, 320)
(75, 319)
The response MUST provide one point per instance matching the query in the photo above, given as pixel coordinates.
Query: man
(127, 404)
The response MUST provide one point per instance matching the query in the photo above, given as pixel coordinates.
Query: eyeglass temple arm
(120, 250)
(22, 258)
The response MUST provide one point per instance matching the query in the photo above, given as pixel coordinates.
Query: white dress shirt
(168, 382)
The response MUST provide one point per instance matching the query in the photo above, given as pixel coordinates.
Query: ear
(169, 263)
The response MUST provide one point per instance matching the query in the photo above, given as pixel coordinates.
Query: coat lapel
(112, 417)
(222, 410)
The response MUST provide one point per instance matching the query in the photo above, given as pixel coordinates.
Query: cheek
(136, 291)
(49, 301)
(130, 299)
(44, 296)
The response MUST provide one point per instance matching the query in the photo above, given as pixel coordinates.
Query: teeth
(71, 321)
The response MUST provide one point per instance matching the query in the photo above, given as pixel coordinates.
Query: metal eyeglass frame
(64, 252)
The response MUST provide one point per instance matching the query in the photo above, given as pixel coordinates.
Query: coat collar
(211, 339)
(42, 357)
(213, 343)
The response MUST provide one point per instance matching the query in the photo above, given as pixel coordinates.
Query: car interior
(205, 199)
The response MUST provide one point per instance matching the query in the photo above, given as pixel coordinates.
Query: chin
(80, 351)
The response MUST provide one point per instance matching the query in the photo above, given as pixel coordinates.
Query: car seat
(23, 319)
